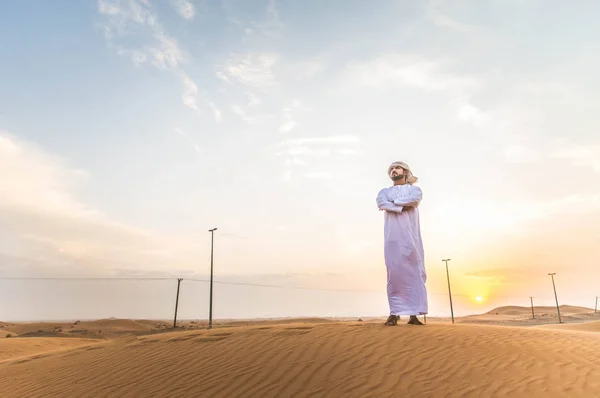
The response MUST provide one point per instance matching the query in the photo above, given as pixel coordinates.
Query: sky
(129, 128)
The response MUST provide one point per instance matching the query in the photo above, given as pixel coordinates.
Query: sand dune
(346, 359)
(582, 327)
(516, 310)
(102, 328)
(17, 348)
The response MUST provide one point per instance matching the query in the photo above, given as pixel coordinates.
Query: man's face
(397, 173)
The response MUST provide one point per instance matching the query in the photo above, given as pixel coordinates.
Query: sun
(479, 299)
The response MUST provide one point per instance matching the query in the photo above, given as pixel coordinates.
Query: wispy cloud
(253, 100)
(269, 27)
(137, 17)
(254, 70)
(307, 69)
(189, 139)
(298, 151)
(51, 227)
(436, 13)
(238, 110)
(467, 112)
(216, 112)
(520, 154)
(408, 70)
(585, 156)
(34, 179)
(190, 93)
(393, 70)
(505, 274)
(574, 154)
(288, 122)
(184, 8)
(512, 214)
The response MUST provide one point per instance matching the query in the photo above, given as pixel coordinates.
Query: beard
(397, 177)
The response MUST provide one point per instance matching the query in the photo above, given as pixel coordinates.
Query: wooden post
(532, 311)
(449, 291)
(176, 302)
(556, 296)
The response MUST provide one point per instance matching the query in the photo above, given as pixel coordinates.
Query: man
(403, 247)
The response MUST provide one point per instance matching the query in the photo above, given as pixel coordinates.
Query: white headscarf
(410, 178)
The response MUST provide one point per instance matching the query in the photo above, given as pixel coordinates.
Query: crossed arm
(396, 206)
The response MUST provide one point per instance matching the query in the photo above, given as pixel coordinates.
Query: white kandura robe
(403, 250)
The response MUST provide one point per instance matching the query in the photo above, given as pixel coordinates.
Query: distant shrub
(8, 335)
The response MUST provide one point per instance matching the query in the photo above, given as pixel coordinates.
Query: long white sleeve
(383, 203)
(411, 200)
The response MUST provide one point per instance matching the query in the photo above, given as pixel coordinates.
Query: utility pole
(449, 291)
(210, 305)
(176, 302)
(555, 296)
(532, 311)
(596, 306)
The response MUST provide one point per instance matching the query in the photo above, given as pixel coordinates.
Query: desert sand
(300, 358)
(582, 327)
(521, 316)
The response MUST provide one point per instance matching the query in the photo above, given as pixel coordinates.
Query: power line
(242, 284)
(286, 287)
(50, 278)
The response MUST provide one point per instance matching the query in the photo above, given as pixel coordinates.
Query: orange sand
(582, 327)
(16, 348)
(338, 359)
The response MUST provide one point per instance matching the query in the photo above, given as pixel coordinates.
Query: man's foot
(392, 320)
(414, 320)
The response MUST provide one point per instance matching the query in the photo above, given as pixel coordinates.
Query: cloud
(577, 155)
(33, 179)
(123, 13)
(190, 140)
(408, 70)
(512, 214)
(288, 121)
(242, 114)
(392, 70)
(270, 26)
(306, 69)
(520, 154)
(190, 93)
(317, 146)
(253, 100)
(49, 227)
(222, 76)
(137, 18)
(435, 13)
(585, 156)
(273, 15)
(216, 111)
(467, 112)
(252, 70)
(184, 8)
(506, 274)
(297, 151)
